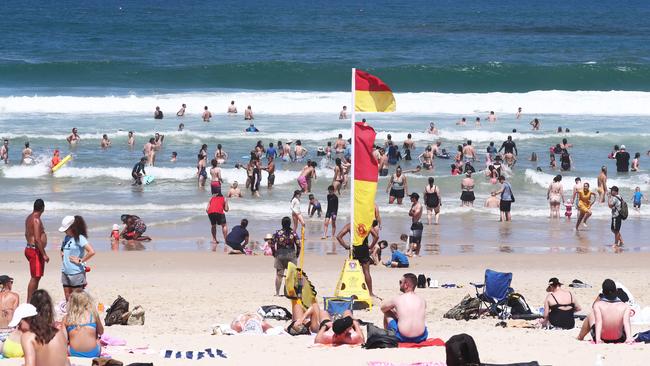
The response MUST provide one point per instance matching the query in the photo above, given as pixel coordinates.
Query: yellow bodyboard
(294, 276)
(63, 162)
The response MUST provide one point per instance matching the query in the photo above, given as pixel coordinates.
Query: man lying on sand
(341, 331)
(406, 313)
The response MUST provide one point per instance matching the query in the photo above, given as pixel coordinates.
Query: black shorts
(397, 193)
(620, 340)
(504, 206)
(271, 179)
(637, 205)
(467, 196)
(616, 224)
(235, 246)
(416, 232)
(402, 265)
(330, 215)
(361, 253)
(217, 218)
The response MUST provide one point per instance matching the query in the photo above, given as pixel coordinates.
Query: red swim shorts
(36, 262)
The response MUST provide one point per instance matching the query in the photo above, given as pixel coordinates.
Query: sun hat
(22, 311)
(116, 227)
(66, 223)
(622, 147)
(268, 237)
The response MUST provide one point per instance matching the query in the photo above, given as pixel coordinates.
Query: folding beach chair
(496, 289)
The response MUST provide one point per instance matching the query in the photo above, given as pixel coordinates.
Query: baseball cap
(341, 325)
(613, 188)
(66, 223)
(622, 147)
(4, 279)
(415, 195)
(22, 311)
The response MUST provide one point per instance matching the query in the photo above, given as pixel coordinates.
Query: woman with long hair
(555, 196)
(83, 325)
(75, 252)
(432, 201)
(296, 212)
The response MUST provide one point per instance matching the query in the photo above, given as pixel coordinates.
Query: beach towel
(108, 340)
(193, 355)
(431, 342)
(381, 363)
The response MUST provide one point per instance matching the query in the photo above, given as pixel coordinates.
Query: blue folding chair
(496, 289)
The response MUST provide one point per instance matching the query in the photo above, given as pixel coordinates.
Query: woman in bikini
(492, 174)
(555, 196)
(84, 326)
(220, 155)
(337, 182)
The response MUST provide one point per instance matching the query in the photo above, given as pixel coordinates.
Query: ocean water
(103, 67)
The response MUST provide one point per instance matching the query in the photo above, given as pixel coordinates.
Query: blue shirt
(506, 195)
(637, 197)
(72, 248)
(237, 235)
(399, 257)
(271, 151)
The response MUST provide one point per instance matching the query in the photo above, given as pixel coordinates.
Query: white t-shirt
(295, 206)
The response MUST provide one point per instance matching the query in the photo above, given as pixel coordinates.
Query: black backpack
(518, 304)
(461, 351)
(422, 281)
(379, 338)
(115, 313)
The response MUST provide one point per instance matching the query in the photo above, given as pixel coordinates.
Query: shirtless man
(9, 301)
(602, 184)
(232, 109)
(339, 146)
(462, 122)
(74, 137)
(149, 151)
(416, 226)
(493, 201)
(248, 114)
(305, 176)
(159, 141)
(432, 130)
(215, 171)
(131, 139)
(105, 143)
(468, 152)
(27, 155)
(4, 151)
(300, 152)
(345, 330)
(406, 313)
(408, 146)
(382, 163)
(286, 152)
(35, 248)
(344, 113)
(270, 168)
(518, 115)
(492, 117)
(610, 320)
(181, 112)
(206, 114)
(158, 114)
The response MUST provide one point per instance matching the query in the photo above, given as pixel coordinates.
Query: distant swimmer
(234, 191)
(27, 155)
(477, 122)
(344, 113)
(492, 117)
(206, 114)
(4, 151)
(339, 145)
(535, 124)
(220, 154)
(174, 157)
(432, 130)
(469, 154)
(149, 151)
(518, 115)
(462, 122)
(215, 172)
(248, 114)
(232, 109)
(158, 114)
(131, 139)
(181, 127)
(285, 153)
(106, 142)
(493, 201)
(181, 112)
(56, 159)
(300, 152)
(138, 171)
(251, 128)
(158, 138)
(74, 137)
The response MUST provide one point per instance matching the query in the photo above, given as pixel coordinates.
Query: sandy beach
(184, 293)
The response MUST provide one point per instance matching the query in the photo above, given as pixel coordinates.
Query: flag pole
(351, 173)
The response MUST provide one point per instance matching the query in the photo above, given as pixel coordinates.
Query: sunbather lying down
(314, 320)
(251, 323)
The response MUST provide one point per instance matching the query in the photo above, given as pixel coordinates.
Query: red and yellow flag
(366, 172)
(371, 94)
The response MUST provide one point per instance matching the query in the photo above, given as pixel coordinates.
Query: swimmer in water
(27, 155)
(270, 169)
(105, 143)
(131, 139)
(535, 124)
(206, 114)
(158, 114)
(432, 129)
(248, 114)
(232, 109)
(462, 122)
(220, 154)
(518, 115)
(492, 117)
(234, 191)
(215, 171)
(4, 151)
(344, 113)
(201, 172)
(174, 156)
(149, 151)
(477, 122)
(181, 127)
(159, 141)
(181, 112)
(74, 137)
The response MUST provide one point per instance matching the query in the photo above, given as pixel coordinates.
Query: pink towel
(108, 340)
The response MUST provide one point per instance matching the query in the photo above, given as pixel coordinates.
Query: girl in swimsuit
(492, 174)
(220, 155)
(338, 176)
(432, 201)
(586, 198)
(83, 325)
(201, 172)
(555, 196)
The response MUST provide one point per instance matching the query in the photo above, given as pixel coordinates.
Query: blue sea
(103, 66)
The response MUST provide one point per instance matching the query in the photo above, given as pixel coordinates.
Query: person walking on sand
(586, 199)
(416, 226)
(285, 247)
(35, 249)
(602, 184)
(615, 202)
(75, 252)
(406, 313)
(507, 198)
(296, 213)
(432, 200)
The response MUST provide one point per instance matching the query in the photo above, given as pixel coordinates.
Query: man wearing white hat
(622, 160)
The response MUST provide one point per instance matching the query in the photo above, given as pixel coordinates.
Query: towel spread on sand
(194, 355)
(431, 342)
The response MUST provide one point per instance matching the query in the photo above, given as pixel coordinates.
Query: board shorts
(616, 224)
(504, 206)
(283, 256)
(392, 325)
(36, 262)
(620, 340)
(73, 280)
(330, 215)
(271, 179)
(361, 253)
(397, 193)
(217, 218)
(302, 182)
(416, 232)
(467, 196)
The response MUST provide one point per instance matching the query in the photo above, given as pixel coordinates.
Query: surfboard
(63, 162)
(147, 179)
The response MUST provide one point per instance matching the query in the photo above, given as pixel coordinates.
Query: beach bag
(518, 304)
(642, 337)
(104, 361)
(461, 351)
(136, 316)
(467, 309)
(422, 281)
(115, 313)
(274, 312)
(379, 338)
(623, 212)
